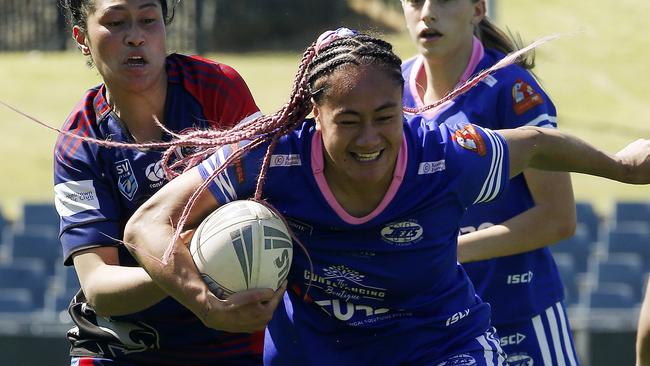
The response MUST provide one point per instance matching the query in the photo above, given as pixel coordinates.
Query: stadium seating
(27, 274)
(587, 220)
(39, 218)
(623, 268)
(36, 245)
(612, 296)
(632, 216)
(566, 266)
(638, 242)
(579, 247)
(16, 300)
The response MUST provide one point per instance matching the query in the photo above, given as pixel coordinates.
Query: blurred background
(597, 74)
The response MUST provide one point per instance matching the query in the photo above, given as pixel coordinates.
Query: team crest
(126, 181)
(468, 138)
(524, 97)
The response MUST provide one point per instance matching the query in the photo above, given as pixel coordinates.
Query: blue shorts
(543, 340)
(480, 351)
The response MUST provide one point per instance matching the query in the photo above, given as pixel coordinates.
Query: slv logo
(519, 359)
(402, 233)
(520, 278)
(456, 317)
(459, 360)
(512, 339)
(126, 181)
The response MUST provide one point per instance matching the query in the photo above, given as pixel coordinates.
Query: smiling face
(360, 118)
(126, 40)
(442, 28)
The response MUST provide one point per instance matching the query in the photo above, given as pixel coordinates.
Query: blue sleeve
(523, 102)
(478, 160)
(84, 199)
(239, 179)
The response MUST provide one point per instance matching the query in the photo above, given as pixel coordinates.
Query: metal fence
(27, 25)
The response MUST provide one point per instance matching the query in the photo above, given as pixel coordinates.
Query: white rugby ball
(242, 245)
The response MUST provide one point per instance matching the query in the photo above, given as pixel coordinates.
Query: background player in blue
(503, 246)
(377, 201)
(122, 317)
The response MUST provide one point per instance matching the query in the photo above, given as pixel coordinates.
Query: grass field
(597, 75)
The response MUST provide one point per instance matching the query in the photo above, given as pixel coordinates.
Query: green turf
(596, 74)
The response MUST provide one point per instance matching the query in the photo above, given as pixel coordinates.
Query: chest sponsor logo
(512, 339)
(155, 173)
(524, 97)
(71, 198)
(402, 233)
(520, 359)
(285, 160)
(459, 360)
(126, 181)
(469, 139)
(344, 283)
(430, 167)
(520, 278)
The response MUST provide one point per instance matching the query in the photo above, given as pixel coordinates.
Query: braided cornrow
(356, 50)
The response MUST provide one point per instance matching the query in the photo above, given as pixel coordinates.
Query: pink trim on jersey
(318, 167)
(418, 78)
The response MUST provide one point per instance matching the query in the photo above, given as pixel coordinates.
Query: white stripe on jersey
(488, 351)
(565, 334)
(492, 184)
(541, 340)
(223, 179)
(548, 121)
(250, 118)
(555, 334)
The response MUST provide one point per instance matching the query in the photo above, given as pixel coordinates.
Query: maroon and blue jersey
(386, 288)
(518, 286)
(96, 191)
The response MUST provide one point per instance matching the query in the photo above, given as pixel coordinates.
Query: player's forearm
(176, 274)
(118, 290)
(530, 230)
(552, 150)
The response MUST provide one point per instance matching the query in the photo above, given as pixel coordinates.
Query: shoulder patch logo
(468, 138)
(524, 97)
(126, 181)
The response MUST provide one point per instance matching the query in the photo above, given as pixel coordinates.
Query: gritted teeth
(368, 156)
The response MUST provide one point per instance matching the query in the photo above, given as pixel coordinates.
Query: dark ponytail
(493, 37)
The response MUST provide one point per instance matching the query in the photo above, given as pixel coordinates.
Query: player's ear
(81, 40)
(480, 11)
(316, 114)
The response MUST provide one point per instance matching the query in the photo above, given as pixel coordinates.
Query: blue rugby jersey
(519, 286)
(385, 288)
(97, 190)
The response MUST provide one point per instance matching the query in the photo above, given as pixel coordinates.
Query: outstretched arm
(151, 229)
(553, 150)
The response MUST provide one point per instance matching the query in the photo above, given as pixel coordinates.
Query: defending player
(377, 202)
(121, 316)
(503, 246)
